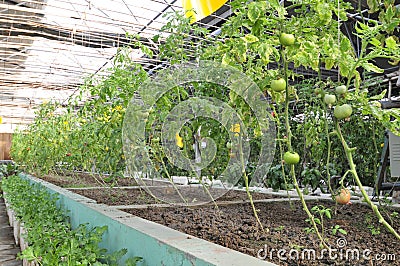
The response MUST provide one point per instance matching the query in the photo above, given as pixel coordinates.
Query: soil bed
(234, 226)
(125, 196)
(77, 180)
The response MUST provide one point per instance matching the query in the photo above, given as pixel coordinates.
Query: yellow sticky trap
(1, 120)
(179, 140)
(199, 9)
(235, 128)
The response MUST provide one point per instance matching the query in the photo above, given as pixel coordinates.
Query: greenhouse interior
(200, 132)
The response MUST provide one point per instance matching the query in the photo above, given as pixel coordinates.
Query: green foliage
(82, 136)
(8, 170)
(322, 212)
(87, 136)
(337, 229)
(50, 237)
(178, 46)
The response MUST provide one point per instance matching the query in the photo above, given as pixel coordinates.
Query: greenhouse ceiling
(49, 47)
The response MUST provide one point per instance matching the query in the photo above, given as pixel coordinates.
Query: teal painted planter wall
(157, 244)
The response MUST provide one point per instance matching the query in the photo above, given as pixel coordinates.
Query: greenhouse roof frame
(48, 47)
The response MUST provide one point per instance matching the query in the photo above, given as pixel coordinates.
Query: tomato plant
(331, 49)
(259, 40)
(82, 137)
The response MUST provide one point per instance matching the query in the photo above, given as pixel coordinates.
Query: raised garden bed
(233, 225)
(287, 230)
(144, 238)
(137, 196)
(86, 180)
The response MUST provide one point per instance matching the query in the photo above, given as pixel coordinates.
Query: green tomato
(318, 92)
(229, 145)
(342, 89)
(291, 157)
(286, 39)
(329, 99)
(343, 111)
(278, 85)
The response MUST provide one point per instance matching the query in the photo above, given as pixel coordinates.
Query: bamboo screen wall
(5, 145)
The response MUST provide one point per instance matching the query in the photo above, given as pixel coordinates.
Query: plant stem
(289, 144)
(204, 185)
(278, 122)
(246, 183)
(287, 123)
(353, 170)
(305, 207)
(328, 156)
(171, 181)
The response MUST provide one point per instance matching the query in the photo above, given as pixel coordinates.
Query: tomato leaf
(329, 64)
(345, 45)
(373, 6)
(379, 97)
(391, 43)
(375, 42)
(254, 11)
(389, 13)
(372, 68)
(250, 38)
(279, 8)
(328, 214)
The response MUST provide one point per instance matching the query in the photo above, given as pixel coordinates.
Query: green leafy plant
(82, 136)
(375, 230)
(338, 229)
(8, 169)
(43, 221)
(322, 212)
(250, 40)
(321, 121)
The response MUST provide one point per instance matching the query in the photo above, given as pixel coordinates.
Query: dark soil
(124, 196)
(287, 231)
(88, 180)
(234, 225)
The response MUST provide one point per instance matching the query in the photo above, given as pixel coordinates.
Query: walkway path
(8, 249)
